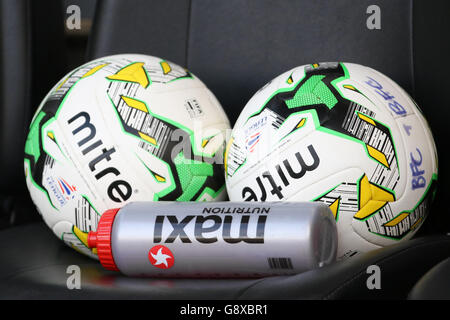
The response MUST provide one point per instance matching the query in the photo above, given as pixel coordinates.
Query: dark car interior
(235, 47)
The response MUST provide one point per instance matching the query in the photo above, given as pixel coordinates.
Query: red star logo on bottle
(161, 257)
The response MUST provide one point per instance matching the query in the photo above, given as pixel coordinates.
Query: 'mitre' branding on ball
(248, 194)
(106, 155)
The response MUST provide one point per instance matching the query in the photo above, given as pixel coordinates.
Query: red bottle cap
(102, 239)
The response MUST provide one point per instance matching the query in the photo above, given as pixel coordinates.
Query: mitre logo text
(286, 172)
(118, 190)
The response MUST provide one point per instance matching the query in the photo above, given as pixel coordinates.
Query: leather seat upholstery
(32, 60)
(433, 285)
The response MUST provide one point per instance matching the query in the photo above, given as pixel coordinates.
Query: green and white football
(342, 134)
(118, 129)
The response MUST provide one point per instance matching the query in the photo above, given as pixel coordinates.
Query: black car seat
(235, 47)
(33, 59)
